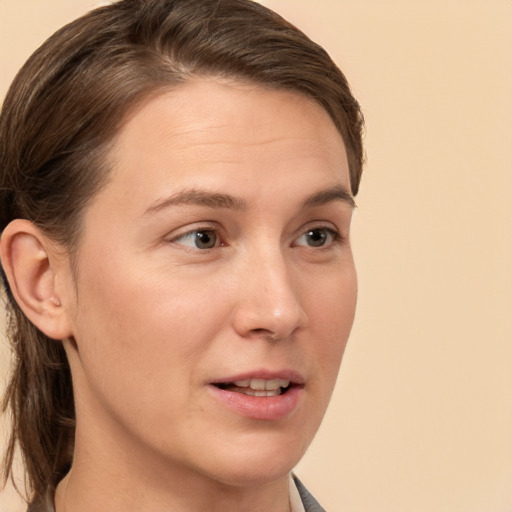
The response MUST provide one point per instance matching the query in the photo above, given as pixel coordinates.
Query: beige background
(421, 420)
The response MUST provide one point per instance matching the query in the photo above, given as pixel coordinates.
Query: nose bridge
(269, 303)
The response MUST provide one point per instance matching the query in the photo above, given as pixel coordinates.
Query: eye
(317, 237)
(199, 239)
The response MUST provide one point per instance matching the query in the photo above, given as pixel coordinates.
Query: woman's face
(216, 262)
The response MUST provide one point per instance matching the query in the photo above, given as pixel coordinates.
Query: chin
(259, 460)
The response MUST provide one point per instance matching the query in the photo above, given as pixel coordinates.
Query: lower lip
(270, 408)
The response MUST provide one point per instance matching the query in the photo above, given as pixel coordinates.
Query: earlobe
(27, 261)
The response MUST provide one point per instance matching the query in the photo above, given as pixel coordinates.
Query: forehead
(219, 132)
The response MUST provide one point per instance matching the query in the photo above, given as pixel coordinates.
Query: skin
(152, 319)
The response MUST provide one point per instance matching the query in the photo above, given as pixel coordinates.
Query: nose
(268, 304)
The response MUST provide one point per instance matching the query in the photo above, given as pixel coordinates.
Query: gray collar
(310, 504)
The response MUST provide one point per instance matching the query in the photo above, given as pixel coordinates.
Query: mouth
(261, 395)
(257, 387)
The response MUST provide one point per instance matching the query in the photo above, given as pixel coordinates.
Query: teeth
(242, 383)
(276, 384)
(257, 384)
(253, 392)
(262, 384)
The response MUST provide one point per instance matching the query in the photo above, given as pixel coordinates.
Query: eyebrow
(217, 200)
(336, 193)
(199, 198)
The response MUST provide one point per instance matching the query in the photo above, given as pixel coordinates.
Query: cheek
(331, 314)
(138, 332)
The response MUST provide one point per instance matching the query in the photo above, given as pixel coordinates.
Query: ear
(30, 261)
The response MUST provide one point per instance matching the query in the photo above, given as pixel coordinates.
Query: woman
(176, 192)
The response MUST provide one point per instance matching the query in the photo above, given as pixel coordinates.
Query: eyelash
(203, 230)
(332, 235)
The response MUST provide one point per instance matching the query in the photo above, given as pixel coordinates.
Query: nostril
(263, 333)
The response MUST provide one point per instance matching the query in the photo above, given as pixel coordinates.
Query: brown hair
(60, 113)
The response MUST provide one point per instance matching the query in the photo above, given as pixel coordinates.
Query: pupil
(317, 237)
(205, 239)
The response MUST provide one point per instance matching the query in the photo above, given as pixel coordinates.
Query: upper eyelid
(319, 224)
(191, 228)
(192, 231)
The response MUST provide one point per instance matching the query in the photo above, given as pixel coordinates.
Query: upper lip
(287, 374)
